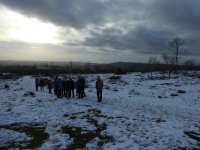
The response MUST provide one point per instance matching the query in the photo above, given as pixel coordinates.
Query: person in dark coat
(56, 86)
(67, 87)
(59, 88)
(41, 84)
(71, 88)
(83, 82)
(63, 88)
(99, 88)
(81, 87)
(37, 82)
(78, 84)
(49, 86)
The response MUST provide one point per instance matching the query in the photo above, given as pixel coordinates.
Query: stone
(181, 91)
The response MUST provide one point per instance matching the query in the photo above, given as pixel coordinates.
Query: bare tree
(190, 62)
(172, 60)
(166, 58)
(175, 47)
(153, 61)
(150, 60)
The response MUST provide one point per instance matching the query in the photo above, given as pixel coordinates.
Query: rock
(174, 94)
(152, 87)
(181, 91)
(66, 115)
(133, 92)
(6, 86)
(25, 94)
(8, 110)
(159, 96)
(32, 94)
(115, 89)
(107, 87)
(159, 120)
(166, 84)
(178, 85)
(114, 77)
(39, 100)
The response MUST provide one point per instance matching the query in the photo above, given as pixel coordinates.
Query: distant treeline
(118, 68)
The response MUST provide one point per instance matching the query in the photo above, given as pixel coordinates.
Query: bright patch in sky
(30, 30)
(34, 31)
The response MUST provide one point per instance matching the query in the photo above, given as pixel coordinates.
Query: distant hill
(51, 67)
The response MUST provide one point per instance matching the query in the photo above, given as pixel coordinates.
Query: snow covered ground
(136, 113)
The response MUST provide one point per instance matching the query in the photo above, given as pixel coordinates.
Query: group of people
(65, 87)
(39, 82)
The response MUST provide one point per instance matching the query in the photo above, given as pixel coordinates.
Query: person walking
(49, 86)
(37, 82)
(99, 88)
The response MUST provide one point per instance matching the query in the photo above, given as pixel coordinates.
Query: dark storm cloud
(149, 24)
(78, 13)
(143, 39)
(163, 21)
(140, 39)
(75, 13)
(178, 14)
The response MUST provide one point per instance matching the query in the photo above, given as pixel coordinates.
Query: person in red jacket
(99, 87)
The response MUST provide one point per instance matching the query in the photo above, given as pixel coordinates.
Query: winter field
(137, 113)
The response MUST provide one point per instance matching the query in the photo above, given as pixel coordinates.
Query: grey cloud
(149, 24)
(178, 14)
(79, 13)
(75, 13)
(140, 39)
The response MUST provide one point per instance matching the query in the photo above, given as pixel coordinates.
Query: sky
(99, 31)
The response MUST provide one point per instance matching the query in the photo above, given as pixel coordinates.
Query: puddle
(82, 137)
(33, 130)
